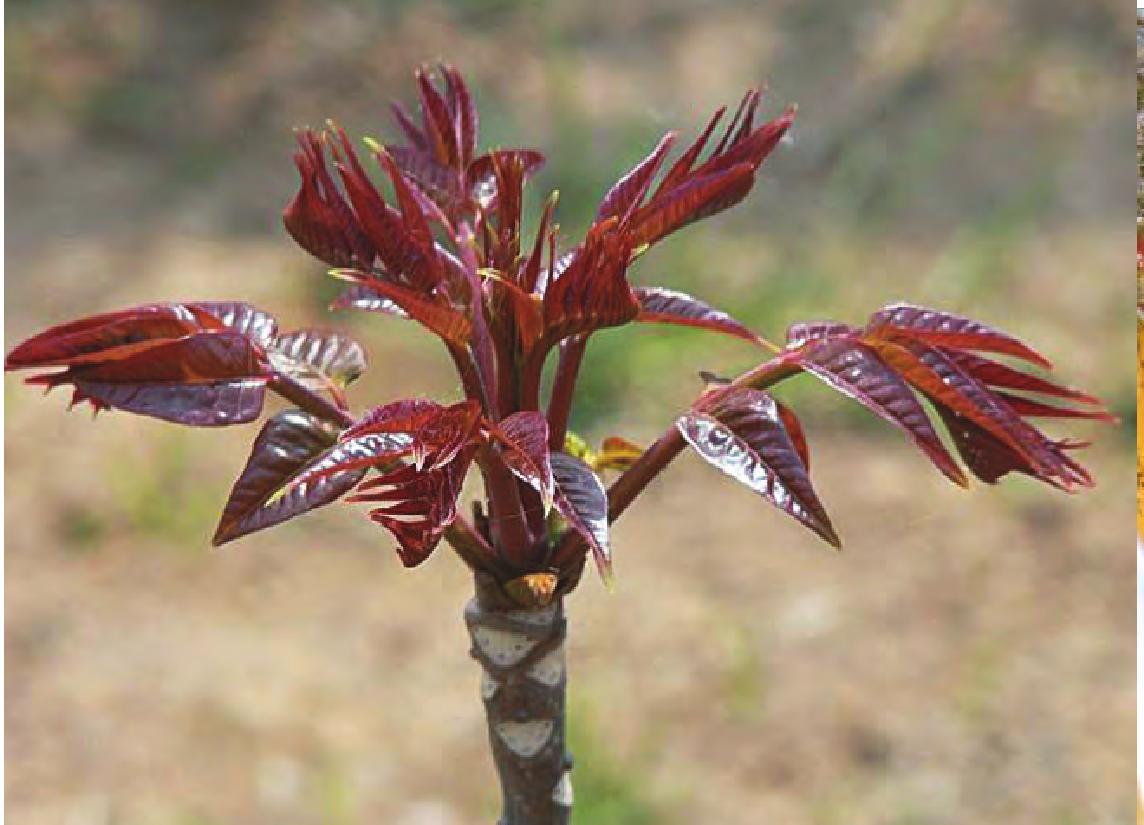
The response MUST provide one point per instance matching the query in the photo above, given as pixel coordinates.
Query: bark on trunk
(521, 653)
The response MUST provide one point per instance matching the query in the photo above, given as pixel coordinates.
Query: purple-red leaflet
(740, 431)
(583, 502)
(286, 444)
(667, 306)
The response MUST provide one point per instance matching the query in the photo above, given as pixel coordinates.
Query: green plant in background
(444, 246)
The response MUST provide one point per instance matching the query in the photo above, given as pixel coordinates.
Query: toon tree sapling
(444, 248)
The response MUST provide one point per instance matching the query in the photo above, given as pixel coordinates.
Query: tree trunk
(521, 653)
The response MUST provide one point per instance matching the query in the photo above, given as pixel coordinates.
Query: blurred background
(966, 660)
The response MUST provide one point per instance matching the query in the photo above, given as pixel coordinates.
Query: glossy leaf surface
(260, 327)
(319, 360)
(929, 326)
(287, 443)
(524, 439)
(208, 379)
(855, 370)
(109, 336)
(667, 306)
(741, 433)
(583, 502)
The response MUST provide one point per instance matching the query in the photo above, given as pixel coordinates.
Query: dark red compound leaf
(207, 379)
(691, 201)
(583, 502)
(110, 336)
(989, 458)
(844, 363)
(418, 505)
(523, 437)
(435, 433)
(945, 384)
(593, 292)
(689, 193)
(287, 443)
(943, 329)
(395, 235)
(318, 217)
(667, 306)
(740, 432)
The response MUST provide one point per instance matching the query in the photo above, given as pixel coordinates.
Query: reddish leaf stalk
(563, 388)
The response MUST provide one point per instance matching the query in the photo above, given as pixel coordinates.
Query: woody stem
(523, 681)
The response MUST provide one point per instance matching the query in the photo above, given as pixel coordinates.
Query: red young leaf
(794, 430)
(688, 192)
(627, 193)
(260, 327)
(666, 306)
(482, 177)
(524, 309)
(593, 292)
(319, 360)
(530, 270)
(990, 458)
(853, 369)
(318, 218)
(387, 229)
(438, 125)
(942, 329)
(436, 433)
(741, 433)
(405, 122)
(583, 502)
(524, 437)
(431, 312)
(464, 113)
(434, 179)
(684, 164)
(208, 379)
(691, 201)
(360, 296)
(418, 505)
(416, 227)
(932, 372)
(287, 443)
(109, 336)
(996, 374)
